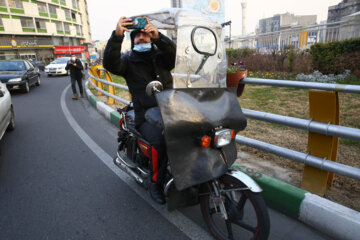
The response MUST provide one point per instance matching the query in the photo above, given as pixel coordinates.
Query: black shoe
(156, 193)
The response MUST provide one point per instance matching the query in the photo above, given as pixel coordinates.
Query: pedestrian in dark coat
(75, 67)
(152, 57)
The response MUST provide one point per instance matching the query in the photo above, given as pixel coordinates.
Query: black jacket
(75, 71)
(139, 69)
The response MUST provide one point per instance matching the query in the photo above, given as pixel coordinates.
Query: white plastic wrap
(213, 73)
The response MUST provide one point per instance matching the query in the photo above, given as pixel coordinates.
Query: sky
(105, 14)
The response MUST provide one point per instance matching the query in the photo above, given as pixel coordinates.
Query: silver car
(7, 117)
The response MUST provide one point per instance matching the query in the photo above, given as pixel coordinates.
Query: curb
(322, 214)
(109, 113)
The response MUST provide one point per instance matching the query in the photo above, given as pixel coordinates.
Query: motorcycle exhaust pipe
(120, 163)
(143, 174)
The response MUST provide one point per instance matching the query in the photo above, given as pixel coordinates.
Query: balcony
(41, 14)
(17, 10)
(28, 29)
(40, 30)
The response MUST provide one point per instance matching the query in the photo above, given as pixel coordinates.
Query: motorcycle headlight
(222, 137)
(15, 80)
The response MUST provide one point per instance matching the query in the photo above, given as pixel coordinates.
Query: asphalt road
(57, 180)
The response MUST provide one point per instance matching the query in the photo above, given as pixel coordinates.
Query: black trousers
(79, 82)
(155, 137)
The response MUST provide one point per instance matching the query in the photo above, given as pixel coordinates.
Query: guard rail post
(95, 73)
(111, 89)
(91, 71)
(323, 107)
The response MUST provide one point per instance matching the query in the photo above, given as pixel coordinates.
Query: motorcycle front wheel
(232, 211)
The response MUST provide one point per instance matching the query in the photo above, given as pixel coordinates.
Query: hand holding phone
(138, 23)
(122, 25)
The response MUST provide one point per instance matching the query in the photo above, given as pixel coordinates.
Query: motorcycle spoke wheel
(247, 216)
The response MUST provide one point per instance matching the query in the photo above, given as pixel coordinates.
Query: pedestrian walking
(75, 67)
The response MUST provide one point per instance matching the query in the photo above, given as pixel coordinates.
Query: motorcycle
(200, 118)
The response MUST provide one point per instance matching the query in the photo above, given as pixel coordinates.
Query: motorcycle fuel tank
(188, 114)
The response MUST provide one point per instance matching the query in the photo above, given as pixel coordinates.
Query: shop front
(24, 47)
(63, 50)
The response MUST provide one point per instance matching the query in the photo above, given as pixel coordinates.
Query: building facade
(43, 29)
(350, 27)
(282, 30)
(176, 3)
(336, 14)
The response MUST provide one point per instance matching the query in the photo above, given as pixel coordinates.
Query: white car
(57, 67)
(7, 117)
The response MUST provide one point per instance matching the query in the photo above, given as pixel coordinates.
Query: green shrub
(336, 57)
(291, 59)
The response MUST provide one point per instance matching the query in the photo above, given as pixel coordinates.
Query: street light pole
(230, 37)
(225, 24)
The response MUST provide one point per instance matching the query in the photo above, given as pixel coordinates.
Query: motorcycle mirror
(204, 40)
(153, 87)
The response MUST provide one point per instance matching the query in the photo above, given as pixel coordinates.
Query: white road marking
(184, 224)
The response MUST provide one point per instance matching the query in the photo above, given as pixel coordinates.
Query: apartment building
(43, 29)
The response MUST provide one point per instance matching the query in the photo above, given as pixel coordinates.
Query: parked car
(19, 74)
(57, 67)
(7, 117)
(39, 64)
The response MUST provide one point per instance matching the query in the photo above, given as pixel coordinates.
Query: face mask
(145, 47)
(73, 58)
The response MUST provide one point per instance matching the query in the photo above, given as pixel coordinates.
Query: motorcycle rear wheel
(247, 214)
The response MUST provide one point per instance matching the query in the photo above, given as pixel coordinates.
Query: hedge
(335, 57)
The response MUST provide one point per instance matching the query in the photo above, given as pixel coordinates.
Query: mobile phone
(138, 23)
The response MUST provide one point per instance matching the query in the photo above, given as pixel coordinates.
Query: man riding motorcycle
(152, 57)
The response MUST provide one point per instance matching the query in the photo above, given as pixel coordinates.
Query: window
(63, 2)
(78, 30)
(27, 65)
(52, 9)
(73, 15)
(1, 22)
(40, 24)
(59, 26)
(12, 66)
(42, 7)
(27, 22)
(2, 3)
(67, 27)
(67, 14)
(67, 41)
(31, 64)
(58, 41)
(16, 4)
(74, 3)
